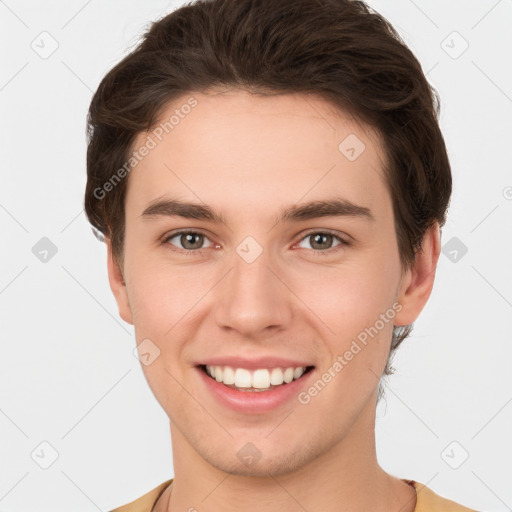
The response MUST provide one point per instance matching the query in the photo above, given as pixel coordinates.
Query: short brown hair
(340, 50)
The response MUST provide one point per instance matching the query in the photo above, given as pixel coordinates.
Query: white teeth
(288, 375)
(297, 373)
(242, 378)
(228, 375)
(261, 378)
(276, 377)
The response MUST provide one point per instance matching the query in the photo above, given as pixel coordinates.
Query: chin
(279, 464)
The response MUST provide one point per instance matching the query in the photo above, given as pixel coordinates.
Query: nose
(253, 298)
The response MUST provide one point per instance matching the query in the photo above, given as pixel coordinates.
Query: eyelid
(342, 236)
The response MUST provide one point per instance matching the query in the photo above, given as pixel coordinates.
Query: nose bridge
(252, 298)
(251, 270)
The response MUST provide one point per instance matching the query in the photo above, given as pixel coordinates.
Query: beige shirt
(427, 500)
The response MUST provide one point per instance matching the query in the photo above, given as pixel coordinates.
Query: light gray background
(68, 376)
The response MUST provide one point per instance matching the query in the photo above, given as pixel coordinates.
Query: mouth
(255, 381)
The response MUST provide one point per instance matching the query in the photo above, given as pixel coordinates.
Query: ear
(117, 285)
(417, 283)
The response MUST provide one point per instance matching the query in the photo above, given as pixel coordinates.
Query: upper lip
(253, 363)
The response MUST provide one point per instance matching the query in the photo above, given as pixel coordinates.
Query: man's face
(253, 287)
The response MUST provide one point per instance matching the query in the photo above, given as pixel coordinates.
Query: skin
(248, 157)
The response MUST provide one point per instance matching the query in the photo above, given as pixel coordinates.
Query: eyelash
(343, 242)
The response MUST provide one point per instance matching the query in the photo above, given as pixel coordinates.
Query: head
(250, 108)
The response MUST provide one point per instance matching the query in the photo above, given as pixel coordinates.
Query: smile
(261, 379)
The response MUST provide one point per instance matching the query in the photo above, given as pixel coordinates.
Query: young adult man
(271, 181)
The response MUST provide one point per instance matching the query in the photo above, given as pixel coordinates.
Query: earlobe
(118, 285)
(417, 283)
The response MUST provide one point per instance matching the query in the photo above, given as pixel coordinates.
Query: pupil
(190, 236)
(320, 236)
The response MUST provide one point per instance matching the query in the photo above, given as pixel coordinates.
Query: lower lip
(254, 402)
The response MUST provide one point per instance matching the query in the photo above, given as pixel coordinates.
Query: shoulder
(429, 501)
(145, 503)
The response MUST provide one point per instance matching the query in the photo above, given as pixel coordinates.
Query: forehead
(233, 148)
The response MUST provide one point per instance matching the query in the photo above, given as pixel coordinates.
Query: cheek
(356, 304)
(161, 298)
(350, 297)
(164, 303)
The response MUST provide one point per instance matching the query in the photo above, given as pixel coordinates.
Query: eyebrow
(335, 207)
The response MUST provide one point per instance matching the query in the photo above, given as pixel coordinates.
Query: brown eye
(190, 241)
(323, 242)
